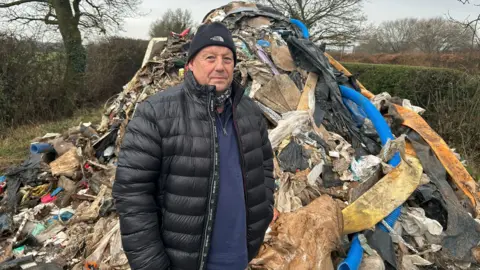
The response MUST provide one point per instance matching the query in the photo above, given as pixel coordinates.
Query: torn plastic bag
(290, 121)
(381, 100)
(415, 223)
(293, 158)
(303, 239)
(407, 104)
(462, 231)
(365, 167)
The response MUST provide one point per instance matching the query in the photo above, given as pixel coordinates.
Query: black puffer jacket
(167, 177)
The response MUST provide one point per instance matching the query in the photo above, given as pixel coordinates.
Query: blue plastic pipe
(355, 254)
(38, 148)
(302, 27)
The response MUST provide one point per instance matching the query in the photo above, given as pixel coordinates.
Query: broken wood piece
(92, 212)
(258, 22)
(96, 256)
(66, 164)
(310, 85)
(98, 165)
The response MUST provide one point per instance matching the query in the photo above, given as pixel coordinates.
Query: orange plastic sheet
(455, 169)
(341, 68)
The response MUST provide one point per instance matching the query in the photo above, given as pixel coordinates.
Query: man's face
(213, 65)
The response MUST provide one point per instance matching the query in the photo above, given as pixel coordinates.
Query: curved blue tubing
(355, 254)
(302, 26)
(39, 148)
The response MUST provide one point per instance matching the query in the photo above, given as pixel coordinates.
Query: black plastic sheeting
(382, 243)
(293, 158)
(441, 203)
(25, 174)
(329, 178)
(329, 108)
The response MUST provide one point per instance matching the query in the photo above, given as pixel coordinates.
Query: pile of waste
(362, 181)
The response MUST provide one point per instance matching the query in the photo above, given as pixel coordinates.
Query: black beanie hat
(213, 34)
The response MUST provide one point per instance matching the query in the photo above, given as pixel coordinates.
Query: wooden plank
(310, 85)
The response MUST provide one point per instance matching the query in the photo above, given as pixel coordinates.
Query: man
(194, 183)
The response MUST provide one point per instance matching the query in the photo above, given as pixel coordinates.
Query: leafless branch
(327, 19)
(76, 9)
(19, 2)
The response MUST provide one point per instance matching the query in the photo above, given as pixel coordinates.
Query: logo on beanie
(217, 38)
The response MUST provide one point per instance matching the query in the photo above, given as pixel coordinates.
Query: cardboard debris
(303, 239)
(66, 164)
(282, 58)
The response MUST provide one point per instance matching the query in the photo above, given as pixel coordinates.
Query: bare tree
(411, 34)
(330, 21)
(440, 35)
(171, 21)
(472, 24)
(396, 36)
(70, 17)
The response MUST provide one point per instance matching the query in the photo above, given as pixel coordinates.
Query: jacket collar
(202, 91)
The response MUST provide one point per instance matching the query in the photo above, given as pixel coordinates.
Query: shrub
(31, 76)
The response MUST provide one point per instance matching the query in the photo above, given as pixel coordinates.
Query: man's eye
(211, 57)
(227, 59)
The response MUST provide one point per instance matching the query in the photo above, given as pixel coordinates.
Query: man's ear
(190, 65)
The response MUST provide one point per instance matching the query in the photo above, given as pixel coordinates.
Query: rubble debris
(331, 173)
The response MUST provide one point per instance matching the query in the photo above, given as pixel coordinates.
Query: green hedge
(31, 77)
(451, 98)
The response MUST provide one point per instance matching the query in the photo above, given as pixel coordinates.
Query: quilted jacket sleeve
(139, 165)
(267, 162)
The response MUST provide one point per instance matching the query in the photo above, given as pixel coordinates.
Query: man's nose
(219, 65)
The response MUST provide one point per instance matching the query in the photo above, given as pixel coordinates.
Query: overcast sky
(376, 10)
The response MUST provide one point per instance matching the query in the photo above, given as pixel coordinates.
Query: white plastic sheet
(290, 121)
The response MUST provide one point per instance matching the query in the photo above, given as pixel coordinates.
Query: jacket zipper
(242, 165)
(213, 187)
